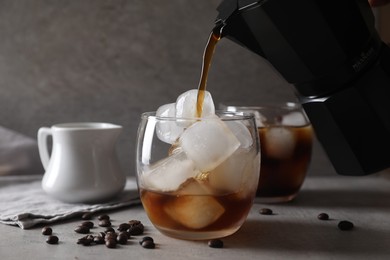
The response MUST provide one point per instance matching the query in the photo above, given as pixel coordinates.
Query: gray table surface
(293, 232)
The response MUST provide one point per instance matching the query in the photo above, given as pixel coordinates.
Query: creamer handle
(43, 134)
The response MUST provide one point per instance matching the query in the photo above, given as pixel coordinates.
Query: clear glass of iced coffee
(286, 138)
(197, 176)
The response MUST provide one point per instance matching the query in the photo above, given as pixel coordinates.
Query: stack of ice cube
(203, 145)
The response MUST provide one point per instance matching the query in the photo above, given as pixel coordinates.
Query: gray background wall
(111, 60)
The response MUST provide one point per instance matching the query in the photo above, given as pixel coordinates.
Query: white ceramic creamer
(83, 165)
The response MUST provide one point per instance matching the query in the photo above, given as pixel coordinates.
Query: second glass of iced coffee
(286, 138)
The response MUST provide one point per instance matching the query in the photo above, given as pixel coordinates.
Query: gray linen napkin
(18, 154)
(23, 203)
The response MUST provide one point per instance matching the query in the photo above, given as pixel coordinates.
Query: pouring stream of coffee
(215, 36)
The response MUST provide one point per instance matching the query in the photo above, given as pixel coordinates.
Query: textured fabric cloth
(18, 154)
(23, 202)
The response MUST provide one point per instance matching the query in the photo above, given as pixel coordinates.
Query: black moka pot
(330, 51)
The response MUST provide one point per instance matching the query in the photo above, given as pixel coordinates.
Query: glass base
(271, 200)
(197, 235)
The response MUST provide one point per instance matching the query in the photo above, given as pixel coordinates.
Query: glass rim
(231, 116)
(275, 105)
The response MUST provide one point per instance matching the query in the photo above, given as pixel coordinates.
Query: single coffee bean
(102, 234)
(136, 230)
(265, 211)
(111, 243)
(86, 216)
(99, 240)
(125, 233)
(52, 240)
(124, 226)
(109, 229)
(85, 241)
(82, 230)
(136, 227)
(88, 224)
(122, 238)
(323, 216)
(345, 225)
(102, 217)
(145, 239)
(110, 235)
(215, 243)
(47, 231)
(87, 237)
(134, 222)
(148, 244)
(105, 223)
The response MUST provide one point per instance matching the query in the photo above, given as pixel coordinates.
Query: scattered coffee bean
(86, 241)
(136, 227)
(88, 224)
(83, 241)
(102, 217)
(122, 238)
(109, 229)
(124, 226)
(105, 223)
(110, 235)
(134, 222)
(323, 216)
(145, 239)
(345, 225)
(148, 244)
(52, 240)
(47, 231)
(82, 230)
(215, 243)
(102, 234)
(111, 243)
(265, 211)
(136, 230)
(99, 240)
(86, 216)
(125, 233)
